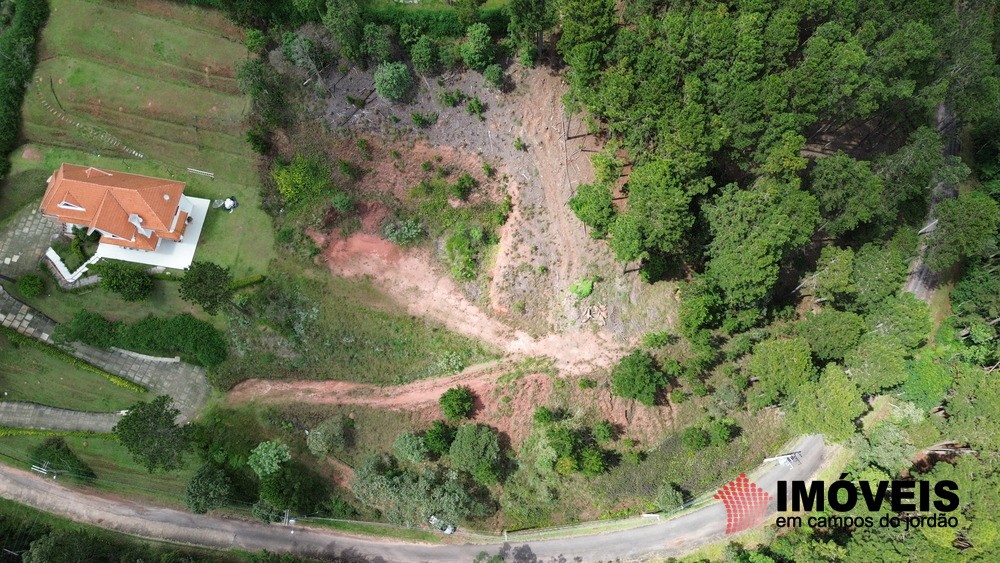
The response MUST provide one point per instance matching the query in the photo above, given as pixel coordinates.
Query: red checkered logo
(745, 503)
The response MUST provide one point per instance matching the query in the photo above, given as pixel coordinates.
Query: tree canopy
(150, 433)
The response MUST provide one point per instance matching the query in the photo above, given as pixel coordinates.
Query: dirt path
(408, 277)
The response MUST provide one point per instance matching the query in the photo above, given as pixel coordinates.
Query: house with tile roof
(140, 218)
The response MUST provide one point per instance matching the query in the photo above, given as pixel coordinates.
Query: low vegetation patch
(193, 339)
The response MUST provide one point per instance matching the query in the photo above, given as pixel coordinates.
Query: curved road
(668, 538)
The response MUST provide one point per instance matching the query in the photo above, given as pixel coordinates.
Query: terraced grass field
(28, 374)
(153, 78)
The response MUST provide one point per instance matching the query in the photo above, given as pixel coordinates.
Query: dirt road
(922, 281)
(659, 539)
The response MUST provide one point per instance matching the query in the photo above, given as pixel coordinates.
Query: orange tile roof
(106, 201)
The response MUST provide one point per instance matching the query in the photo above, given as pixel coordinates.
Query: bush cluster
(192, 339)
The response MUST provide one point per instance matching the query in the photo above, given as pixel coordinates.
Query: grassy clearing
(116, 471)
(306, 324)
(27, 374)
(374, 429)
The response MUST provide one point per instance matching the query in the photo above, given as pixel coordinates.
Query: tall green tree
(476, 449)
(848, 191)
(345, 19)
(967, 227)
(530, 18)
(832, 281)
(207, 284)
(150, 433)
(753, 230)
(268, 458)
(877, 363)
(209, 488)
(780, 367)
(636, 377)
(829, 406)
(831, 334)
(592, 204)
(659, 205)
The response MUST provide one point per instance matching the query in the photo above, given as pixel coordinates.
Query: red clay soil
(408, 277)
(512, 417)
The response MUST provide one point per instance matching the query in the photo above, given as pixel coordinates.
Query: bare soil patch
(31, 153)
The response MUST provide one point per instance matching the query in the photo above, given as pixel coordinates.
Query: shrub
(255, 40)
(128, 281)
(520, 145)
(477, 50)
(439, 437)
(56, 453)
(657, 339)
(592, 461)
(582, 288)
(342, 202)
(694, 439)
(30, 285)
(452, 98)
(304, 177)
(720, 432)
(392, 81)
(587, 383)
(493, 75)
(677, 396)
(409, 447)
(544, 415)
(592, 204)
(422, 120)
(209, 488)
(462, 248)
(259, 139)
(456, 403)
(403, 231)
(476, 449)
(424, 55)
(332, 434)
(669, 497)
(604, 431)
(635, 377)
(462, 188)
(475, 107)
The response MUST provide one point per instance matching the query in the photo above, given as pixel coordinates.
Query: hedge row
(22, 340)
(247, 281)
(194, 340)
(10, 431)
(17, 44)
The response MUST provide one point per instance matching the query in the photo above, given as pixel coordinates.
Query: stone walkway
(24, 241)
(186, 383)
(30, 415)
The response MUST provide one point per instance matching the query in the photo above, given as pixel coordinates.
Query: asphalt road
(663, 539)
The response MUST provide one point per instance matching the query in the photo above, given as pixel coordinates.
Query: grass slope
(159, 80)
(27, 374)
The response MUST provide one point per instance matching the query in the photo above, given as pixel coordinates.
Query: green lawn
(158, 77)
(28, 374)
(116, 472)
